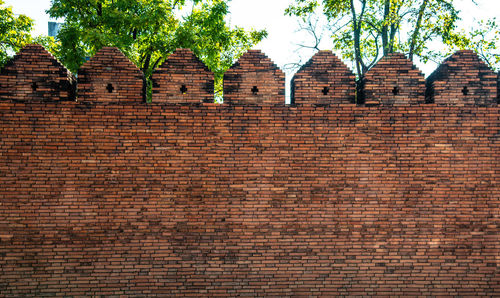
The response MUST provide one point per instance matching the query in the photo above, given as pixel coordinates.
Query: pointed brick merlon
(254, 79)
(110, 77)
(393, 80)
(34, 74)
(463, 77)
(183, 78)
(324, 79)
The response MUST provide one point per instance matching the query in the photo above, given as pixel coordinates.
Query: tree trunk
(418, 25)
(385, 27)
(360, 66)
(355, 36)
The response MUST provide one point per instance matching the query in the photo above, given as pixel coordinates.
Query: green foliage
(14, 32)
(484, 40)
(207, 34)
(365, 30)
(147, 31)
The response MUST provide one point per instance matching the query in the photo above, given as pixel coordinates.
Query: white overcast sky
(280, 45)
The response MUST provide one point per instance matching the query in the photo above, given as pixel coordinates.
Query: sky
(281, 43)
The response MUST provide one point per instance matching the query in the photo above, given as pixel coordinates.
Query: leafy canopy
(365, 30)
(147, 31)
(14, 32)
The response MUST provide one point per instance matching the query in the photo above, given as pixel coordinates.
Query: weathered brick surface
(110, 76)
(393, 80)
(35, 74)
(254, 79)
(196, 199)
(324, 79)
(217, 200)
(183, 78)
(463, 77)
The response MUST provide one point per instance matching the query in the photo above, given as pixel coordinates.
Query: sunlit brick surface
(262, 199)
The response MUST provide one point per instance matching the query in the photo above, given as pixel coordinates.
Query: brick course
(201, 199)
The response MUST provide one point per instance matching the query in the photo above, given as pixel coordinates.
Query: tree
(147, 31)
(14, 32)
(205, 31)
(365, 30)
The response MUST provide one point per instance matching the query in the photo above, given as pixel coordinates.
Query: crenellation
(462, 77)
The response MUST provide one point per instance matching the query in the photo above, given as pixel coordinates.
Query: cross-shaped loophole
(110, 88)
(325, 90)
(255, 90)
(34, 86)
(465, 91)
(184, 89)
(395, 91)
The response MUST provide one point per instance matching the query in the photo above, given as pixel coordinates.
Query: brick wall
(138, 199)
(498, 88)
